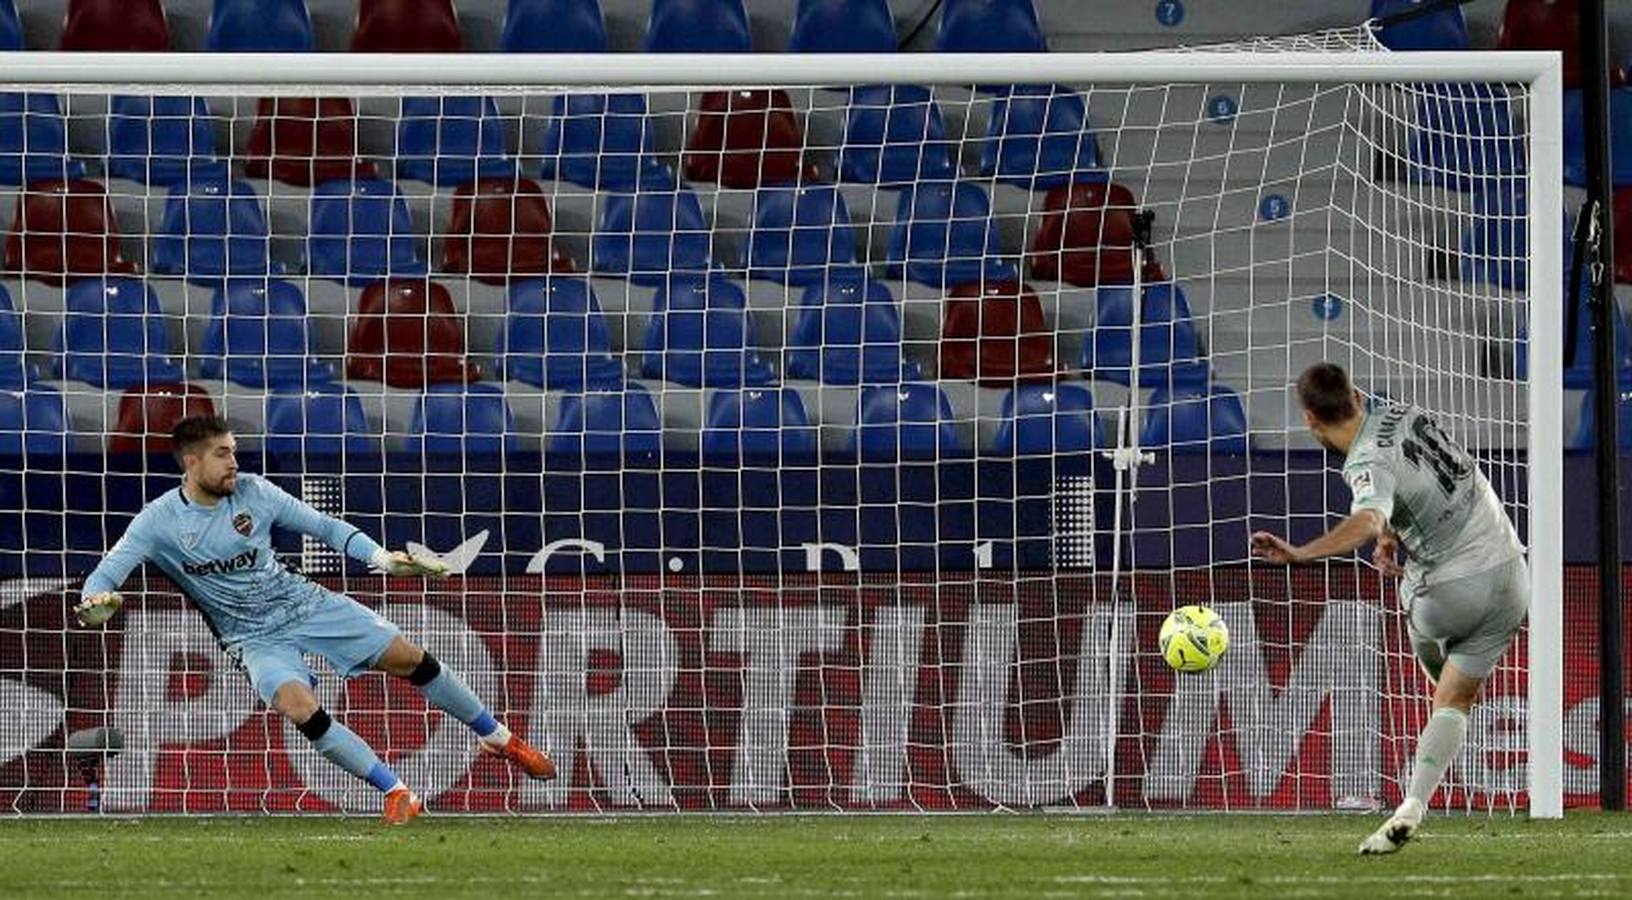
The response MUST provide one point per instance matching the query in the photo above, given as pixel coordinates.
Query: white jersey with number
(1431, 492)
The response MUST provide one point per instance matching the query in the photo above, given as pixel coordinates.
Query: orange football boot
(402, 806)
(534, 762)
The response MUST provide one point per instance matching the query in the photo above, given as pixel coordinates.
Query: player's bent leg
(340, 745)
(445, 690)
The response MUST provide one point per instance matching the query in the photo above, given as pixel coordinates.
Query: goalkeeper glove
(402, 564)
(98, 608)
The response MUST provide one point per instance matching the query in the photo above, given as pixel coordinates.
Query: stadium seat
(995, 334)
(990, 26)
(607, 422)
(1544, 25)
(894, 135)
(744, 139)
(159, 140)
(259, 336)
(407, 334)
(63, 230)
(650, 236)
(304, 141)
(1463, 136)
(406, 26)
(449, 141)
(798, 235)
(15, 371)
(904, 421)
(1496, 243)
(11, 26)
(554, 26)
(146, 417)
(763, 422)
(843, 26)
(599, 140)
(944, 234)
(455, 418)
(1442, 29)
(698, 335)
(115, 25)
(1169, 348)
(1048, 419)
(1584, 438)
(212, 228)
(323, 420)
(1575, 137)
(698, 26)
(1038, 138)
(555, 336)
(260, 26)
(1623, 225)
(32, 421)
(361, 231)
(1195, 419)
(848, 331)
(34, 140)
(501, 229)
(1086, 235)
(113, 335)
(1579, 372)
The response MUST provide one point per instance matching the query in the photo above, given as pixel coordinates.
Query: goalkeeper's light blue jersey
(221, 556)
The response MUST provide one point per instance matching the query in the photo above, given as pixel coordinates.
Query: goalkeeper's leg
(445, 690)
(341, 746)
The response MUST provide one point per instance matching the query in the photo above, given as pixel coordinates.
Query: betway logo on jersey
(244, 560)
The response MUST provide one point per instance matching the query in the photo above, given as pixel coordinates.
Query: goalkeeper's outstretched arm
(99, 598)
(297, 515)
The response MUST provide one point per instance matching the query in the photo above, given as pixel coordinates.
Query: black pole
(1611, 618)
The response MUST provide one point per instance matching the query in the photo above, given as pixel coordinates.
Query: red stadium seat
(408, 334)
(996, 336)
(302, 141)
(1086, 235)
(146, 417)
(65, 230)
(406, 26)
(745, 139)
(115, 25)
(1623, 235)
(1548, 25)
(501, 229)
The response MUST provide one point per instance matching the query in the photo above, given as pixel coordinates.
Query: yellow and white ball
(1194, 639)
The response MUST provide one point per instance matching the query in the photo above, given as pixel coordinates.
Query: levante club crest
(243, 524)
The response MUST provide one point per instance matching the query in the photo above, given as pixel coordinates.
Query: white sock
(1440, 741)
(498, 737)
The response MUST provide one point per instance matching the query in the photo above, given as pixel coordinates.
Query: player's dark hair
(195, 430)
(1325, 391)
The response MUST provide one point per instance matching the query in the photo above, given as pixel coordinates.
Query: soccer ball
(1194, 639)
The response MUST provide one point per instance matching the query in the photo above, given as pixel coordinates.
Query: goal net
(802, 433)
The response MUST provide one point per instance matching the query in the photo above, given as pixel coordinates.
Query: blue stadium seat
(600, 140)
(990, 26)
(259, 336)
(848, 331)
(609, 422)
(113, 335)
(1579, 370)
(554, 26)
(449, 141)
(843, 26)
(1169, 347)
(651, 235)
(894, 135)
(799, 234)
(698, 335)
(324, 420)
(15, 371)
(1496, 244)
(473, 419)
(360, 232)
(11, 26)
(1047, 419)
(160, 140)
(260, 26)
(34, 140)
(1575, 139)
(756, 422)
(555, 336)
(1462, 136)
(1443, 29)
(698, 26)
(32, 421)
(904, 421)
(1192, 418)
(944, 234)
(1038, 138)
(212, 228)
(1586, 432)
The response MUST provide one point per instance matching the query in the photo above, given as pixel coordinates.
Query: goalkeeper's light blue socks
(1437, 746)
(448, 692)
(341, 746)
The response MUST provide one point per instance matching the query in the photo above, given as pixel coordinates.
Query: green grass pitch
(1210, 856)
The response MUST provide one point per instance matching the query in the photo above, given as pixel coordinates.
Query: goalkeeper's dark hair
(1325, 391)
(195, 430)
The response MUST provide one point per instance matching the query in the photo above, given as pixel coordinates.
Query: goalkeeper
(212, 537)
(1466, 589)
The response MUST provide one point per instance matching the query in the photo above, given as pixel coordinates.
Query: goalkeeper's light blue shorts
(347, 634)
